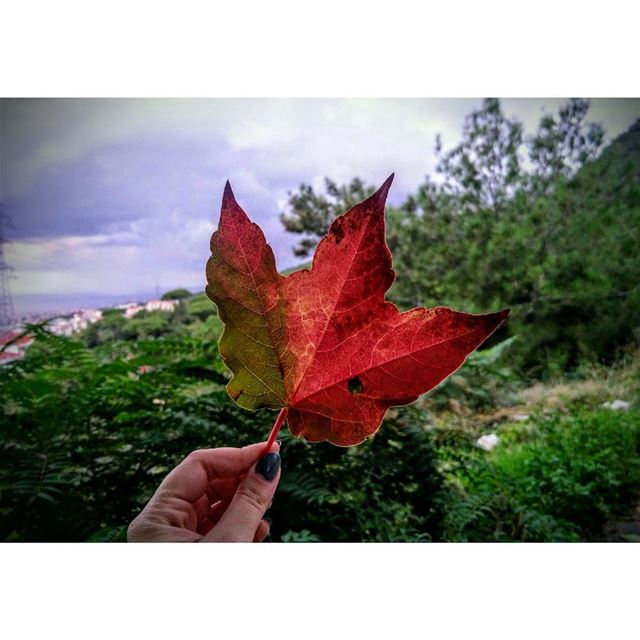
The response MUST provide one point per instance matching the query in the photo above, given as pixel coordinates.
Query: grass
(565, 466)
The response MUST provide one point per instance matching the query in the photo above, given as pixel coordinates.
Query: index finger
(189, 480)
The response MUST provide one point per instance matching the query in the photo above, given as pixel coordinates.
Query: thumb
(252, 498)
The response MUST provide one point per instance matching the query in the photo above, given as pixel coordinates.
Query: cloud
(173, 256)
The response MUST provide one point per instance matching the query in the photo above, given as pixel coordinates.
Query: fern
(307, 489)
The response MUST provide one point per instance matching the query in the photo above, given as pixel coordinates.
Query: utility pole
(7, 316)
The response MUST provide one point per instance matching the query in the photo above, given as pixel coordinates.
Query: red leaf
(324, 342)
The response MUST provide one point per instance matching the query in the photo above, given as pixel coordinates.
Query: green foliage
(193, 317)
(386, 489)
(560, 481)
(585, 296)
(485, 381)
(481, 173)
(563, 143)
(110, 328)
(148, 324)
(176, 294)
(538, 223)
(102, 423)
(299, 536)
(88, 433)
(311, 214)
(200, 307)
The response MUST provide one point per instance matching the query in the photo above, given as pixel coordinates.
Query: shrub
(88, 434)
(177, 294)
(564, 483)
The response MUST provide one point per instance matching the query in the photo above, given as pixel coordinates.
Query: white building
(161, 305)
(131, 310)
(153, 305)
(67, 326)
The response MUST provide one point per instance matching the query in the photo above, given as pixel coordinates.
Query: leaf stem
(276, 428)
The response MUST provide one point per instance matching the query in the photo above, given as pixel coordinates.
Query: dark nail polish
(268, 466)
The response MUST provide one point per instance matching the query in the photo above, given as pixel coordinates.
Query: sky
(115, 199)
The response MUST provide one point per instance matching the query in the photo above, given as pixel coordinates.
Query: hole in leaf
(355, 385)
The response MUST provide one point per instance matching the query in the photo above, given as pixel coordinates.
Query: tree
(441, 234)
(177, 294)
(417, 234)
(201, 307)
(587, 299)
(311, 213)
(145, 325)
(484, 169)
(108, 329)
(540, 223)
(563, 144)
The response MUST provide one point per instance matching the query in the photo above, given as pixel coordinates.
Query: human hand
(213, 495)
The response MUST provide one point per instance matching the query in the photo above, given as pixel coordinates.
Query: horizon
(64, 303)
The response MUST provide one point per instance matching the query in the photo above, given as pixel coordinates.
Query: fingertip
(275, 445)
(261, 446)
(263, 530)
(263, 450)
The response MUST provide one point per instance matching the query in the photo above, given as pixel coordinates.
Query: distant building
(161, 305)
(131, 309)
(68, 325)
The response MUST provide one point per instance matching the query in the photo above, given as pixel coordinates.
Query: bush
(486, 380)
(145, 325)
(176, 294)
(88, 434)
(562, 483)
(201, 307)
(386, 489)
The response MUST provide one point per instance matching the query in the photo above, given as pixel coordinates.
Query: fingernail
(268, 466)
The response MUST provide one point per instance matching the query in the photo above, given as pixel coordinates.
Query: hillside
(591, 257)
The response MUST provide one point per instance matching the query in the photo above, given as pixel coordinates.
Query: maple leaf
(323, 343)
